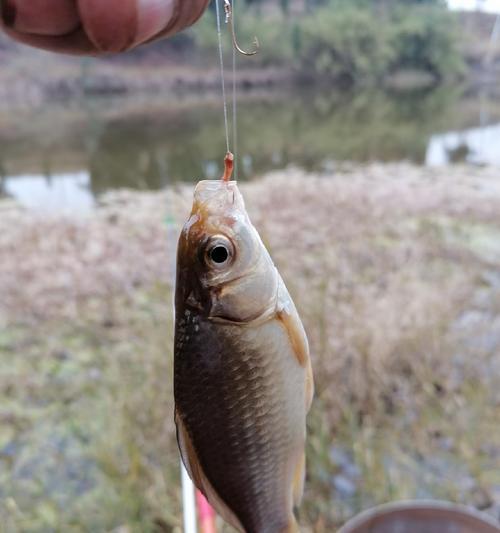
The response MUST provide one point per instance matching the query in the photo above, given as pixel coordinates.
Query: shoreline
(27, 91)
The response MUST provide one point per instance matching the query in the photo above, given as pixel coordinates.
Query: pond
(65, 156)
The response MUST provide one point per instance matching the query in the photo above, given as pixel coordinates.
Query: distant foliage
(354, 41)
(275, 35)
(344, 44)
(426, 40)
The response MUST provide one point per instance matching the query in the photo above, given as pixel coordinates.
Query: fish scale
(245, 446)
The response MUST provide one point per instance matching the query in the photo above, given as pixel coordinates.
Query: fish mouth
(217, 197)
(216, 204)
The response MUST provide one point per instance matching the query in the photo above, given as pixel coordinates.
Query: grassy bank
(394, 270)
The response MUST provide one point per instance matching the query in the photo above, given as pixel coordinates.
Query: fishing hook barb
(228, 10)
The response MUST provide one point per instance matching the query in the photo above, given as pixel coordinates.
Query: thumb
(116, 25)
(95, 26)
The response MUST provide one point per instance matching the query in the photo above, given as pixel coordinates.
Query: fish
(243, 381)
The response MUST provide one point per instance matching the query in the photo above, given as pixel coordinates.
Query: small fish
(243, 382)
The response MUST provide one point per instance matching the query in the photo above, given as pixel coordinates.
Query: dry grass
(395, 272)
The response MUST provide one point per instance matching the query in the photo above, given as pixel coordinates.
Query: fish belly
(240, 394)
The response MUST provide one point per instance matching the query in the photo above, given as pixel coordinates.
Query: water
(67, 156)
(52, 191)
(478, 146)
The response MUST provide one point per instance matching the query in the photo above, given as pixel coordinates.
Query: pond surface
(64, 156)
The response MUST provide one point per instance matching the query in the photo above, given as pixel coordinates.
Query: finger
(105, 25)
(153, 17)
(187, 12)
(74, 43)
(117, 25)
(41, 17)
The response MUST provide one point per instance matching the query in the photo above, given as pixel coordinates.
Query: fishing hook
(228, 10)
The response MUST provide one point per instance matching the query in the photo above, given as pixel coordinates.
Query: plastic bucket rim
(403, 505)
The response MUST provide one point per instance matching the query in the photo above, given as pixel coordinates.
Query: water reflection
(99, 146)
(59, 191)
(478, 146)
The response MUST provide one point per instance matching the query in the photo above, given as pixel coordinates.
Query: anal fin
(292, 526)
(299, 480)
(195, 471)
(309, 385)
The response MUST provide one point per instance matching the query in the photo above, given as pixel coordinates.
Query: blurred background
(369, 156)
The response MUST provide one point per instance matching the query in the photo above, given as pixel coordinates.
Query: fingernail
(8, 12)
(152, 17)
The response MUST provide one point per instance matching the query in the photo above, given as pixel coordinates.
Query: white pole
(490, 52)
(188, 502)
(496, 31)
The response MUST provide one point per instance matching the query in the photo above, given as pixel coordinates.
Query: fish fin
(292, 526)
(296, 334)
(195, 471)
(298, 480)
(309, 385)
(289, 318)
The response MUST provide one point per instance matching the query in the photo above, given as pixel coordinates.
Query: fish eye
(219, 252)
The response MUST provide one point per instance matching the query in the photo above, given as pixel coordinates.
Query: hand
(95, 26)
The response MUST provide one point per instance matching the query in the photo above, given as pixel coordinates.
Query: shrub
(274, 33)
(426, 39)
(342, 42)
(356, 41)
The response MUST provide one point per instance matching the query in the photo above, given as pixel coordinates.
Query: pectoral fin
(298, 480)
(192, 464)
(289, 318)
(309, 385)
(296, 334)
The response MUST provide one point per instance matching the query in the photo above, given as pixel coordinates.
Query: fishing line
(223, 83)
(229, 19)
(235, 126)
